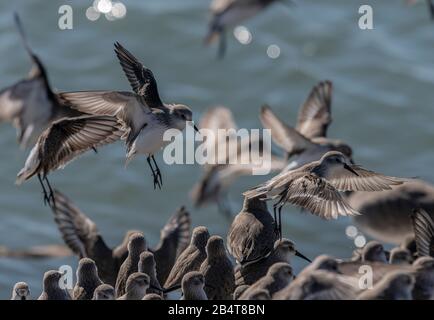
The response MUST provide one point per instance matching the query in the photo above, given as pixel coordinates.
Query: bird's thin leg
(51, 195)
(157, 171)
(222, 44)
(44, 191)
(276, 223)
(280, 222)
(156, 181)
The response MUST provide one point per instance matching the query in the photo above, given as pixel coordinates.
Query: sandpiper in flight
(30, 104)
(316, 186)
(144, 116)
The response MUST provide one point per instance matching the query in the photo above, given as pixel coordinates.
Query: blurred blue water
(382, 106)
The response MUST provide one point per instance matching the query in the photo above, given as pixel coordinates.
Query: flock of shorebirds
(316, 173)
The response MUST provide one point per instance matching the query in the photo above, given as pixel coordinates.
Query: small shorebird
(21, 291)
(218, 271)
(318, 285)
(218, 177)
(228, 13)
(135, 287)
(316, 186)
(51, 289)
(147, 266)
(253, 232)
(193, 284)
(87, 280)
(385, 215)
(62, 142)
(249, 273)
(190, 259)
(82, 236)
(104, 292)
(30, 104)
(308, 141)
(136, 245)
(278, 277)
(423, 226)
(397, 285)
(145, 118)
(373, 251)
(423, 270)
(400, 255)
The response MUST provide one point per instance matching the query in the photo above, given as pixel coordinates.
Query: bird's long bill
(298, 254)
(347, 167)
(195, 128)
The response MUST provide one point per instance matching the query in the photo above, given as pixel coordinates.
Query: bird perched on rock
(87, 280)
(218, 271)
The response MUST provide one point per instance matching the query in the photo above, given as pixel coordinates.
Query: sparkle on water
(119, 10)
(351, 232)
(360, 241)
(92, 14)
(243, 35)
(104, 6)
(273, 51)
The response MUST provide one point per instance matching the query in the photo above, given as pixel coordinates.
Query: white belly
(150, 140)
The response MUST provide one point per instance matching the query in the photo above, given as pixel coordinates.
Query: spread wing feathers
(68, 138)
(97, 102)
(76, 228)
(141, 78)
(316, 195)
(315, 114)
(178, 230)
(283, 135)
(366, 180)
(423, 227)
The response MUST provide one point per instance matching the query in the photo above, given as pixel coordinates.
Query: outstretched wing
(68, 138)
(423, 227)
(365, 180)
(283, 135)
(76, 228)
(141, 78)
(317, 196)
(315, 114)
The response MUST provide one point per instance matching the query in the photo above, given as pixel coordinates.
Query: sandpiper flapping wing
(145, 118)
(30, 104)
(317, 185)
